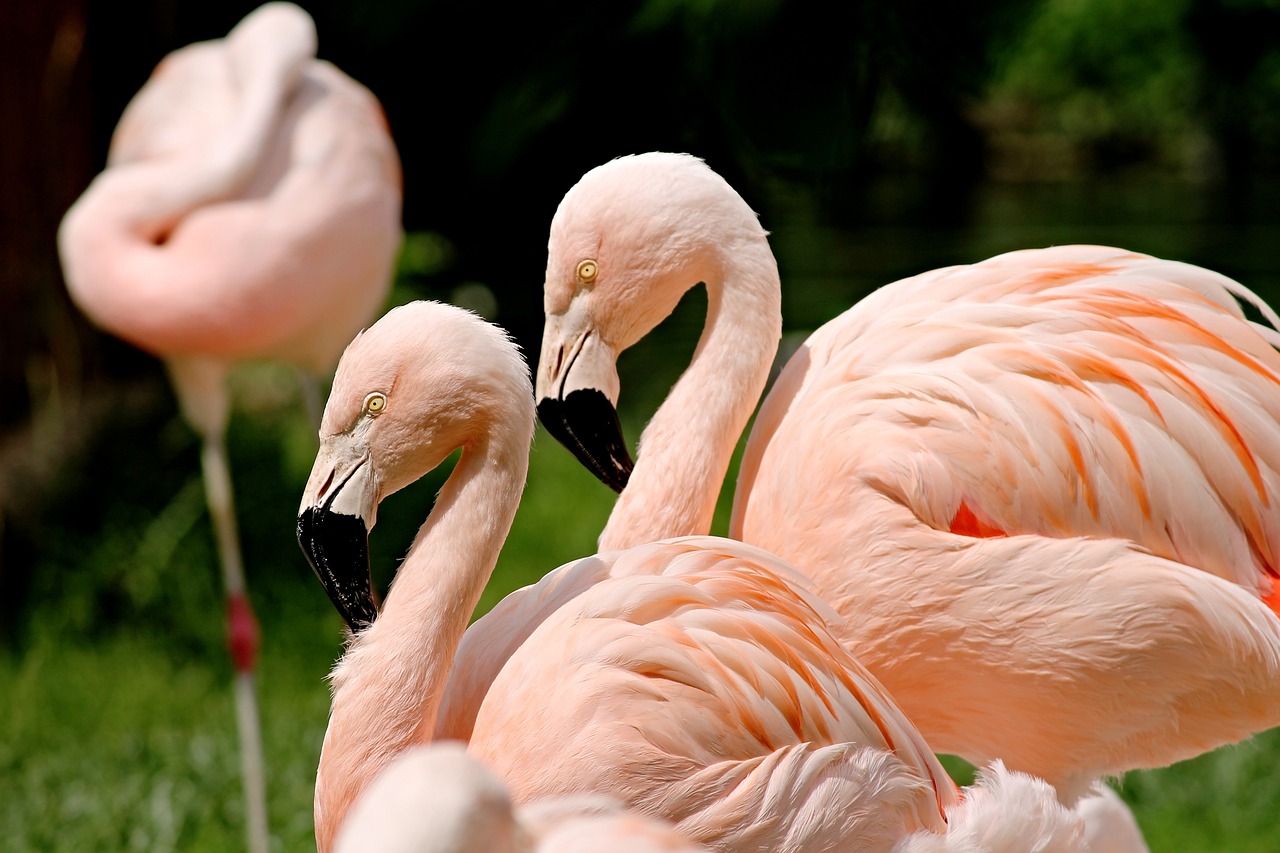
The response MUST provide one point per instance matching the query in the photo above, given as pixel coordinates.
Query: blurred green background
(876, 139)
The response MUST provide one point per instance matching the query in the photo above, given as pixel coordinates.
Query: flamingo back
(193, 244)
(1062, 392)
(668, 684)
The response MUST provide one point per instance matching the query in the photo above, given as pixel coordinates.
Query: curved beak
(339, 508)
(577, 392)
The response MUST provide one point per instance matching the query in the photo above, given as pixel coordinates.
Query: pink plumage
(1041, 490)
(1042, 396)
(693, 680)
(439, 799)
(250, 208)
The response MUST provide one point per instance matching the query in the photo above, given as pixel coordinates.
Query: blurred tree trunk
(45, 159)
(66, 72)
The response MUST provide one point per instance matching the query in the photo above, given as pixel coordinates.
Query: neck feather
(388, 688)
(684, 453)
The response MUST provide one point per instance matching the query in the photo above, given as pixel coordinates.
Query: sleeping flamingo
(694, 680)
(250, 209)
(1042, 490)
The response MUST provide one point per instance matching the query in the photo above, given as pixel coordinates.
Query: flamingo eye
(587, 270)
(375, 403)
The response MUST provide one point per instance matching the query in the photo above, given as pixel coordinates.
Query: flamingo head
(422, 382)
(628, 240)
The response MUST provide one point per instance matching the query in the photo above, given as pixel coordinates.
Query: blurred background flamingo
(975, 466)
(250, 209)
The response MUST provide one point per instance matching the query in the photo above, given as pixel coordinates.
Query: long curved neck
(684, 453)
(387, 689)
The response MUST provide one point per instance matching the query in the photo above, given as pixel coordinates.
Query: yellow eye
(375, 403)
(587, 270)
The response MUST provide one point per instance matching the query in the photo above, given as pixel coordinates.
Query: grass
(116, 724)
(125, 746)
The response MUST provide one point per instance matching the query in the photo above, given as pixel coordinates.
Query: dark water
(909, 228)
(904, 227)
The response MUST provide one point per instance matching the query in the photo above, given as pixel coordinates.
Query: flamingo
(437, 798)
(250, 209)
(1042, 489)
(691, 679)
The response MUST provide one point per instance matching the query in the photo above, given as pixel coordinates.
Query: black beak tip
(337, 547)
(587, 424)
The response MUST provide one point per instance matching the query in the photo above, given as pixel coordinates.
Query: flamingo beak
(577, 392)
(339, 508)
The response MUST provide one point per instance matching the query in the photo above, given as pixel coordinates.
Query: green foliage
(126, 744)
(1188, 85)
(116, 719)
(1224, 801)
(1102, 67)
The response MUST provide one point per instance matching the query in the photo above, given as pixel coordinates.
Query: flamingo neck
(684, 452)
(388, 688)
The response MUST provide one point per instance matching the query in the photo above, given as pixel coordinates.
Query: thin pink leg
(242, 640)
(206, 403)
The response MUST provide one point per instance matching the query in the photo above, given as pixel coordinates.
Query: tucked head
(423, 381)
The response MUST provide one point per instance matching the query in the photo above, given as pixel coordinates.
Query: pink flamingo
(250, 209)
(692, 680)
(1042, 489)
(437, 798)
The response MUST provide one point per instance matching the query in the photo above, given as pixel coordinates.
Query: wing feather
(1063, 392)
(692, 654)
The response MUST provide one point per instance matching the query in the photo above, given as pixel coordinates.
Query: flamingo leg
(242, 638)
(205, 401)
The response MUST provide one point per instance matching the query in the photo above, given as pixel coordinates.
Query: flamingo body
(1073, 391)
(439, 799)
(1036, 398)
(1040, 490)
(695, 675)
(250, 207)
